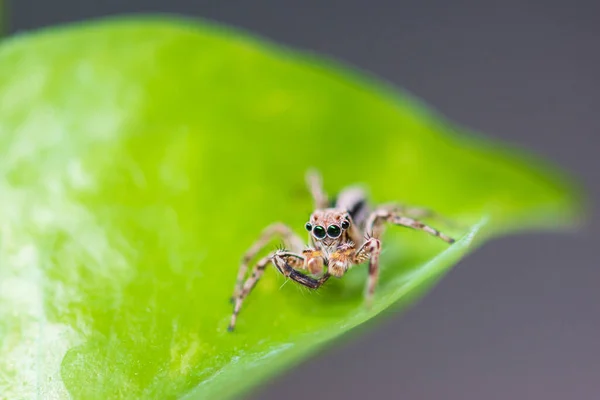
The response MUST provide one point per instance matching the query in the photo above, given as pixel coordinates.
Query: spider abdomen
(354, 200)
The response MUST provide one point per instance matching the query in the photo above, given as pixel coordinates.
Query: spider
(342, 233)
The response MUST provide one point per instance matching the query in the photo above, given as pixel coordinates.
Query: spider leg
(415, 212)
(245, 289)
(281, 260)
(370, 250)
(315, 185)
(290, 239)
(382, 215)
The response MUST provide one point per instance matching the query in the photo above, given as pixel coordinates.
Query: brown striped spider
(342, 234)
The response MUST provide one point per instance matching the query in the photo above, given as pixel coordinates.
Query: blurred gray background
(520, 318)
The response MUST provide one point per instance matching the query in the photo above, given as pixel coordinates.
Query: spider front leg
(286, 263)
(370, 250)
(290, 240)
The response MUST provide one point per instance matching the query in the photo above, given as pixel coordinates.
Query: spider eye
(345, 224)
(333, 231)
(308, 226)
(319, 232)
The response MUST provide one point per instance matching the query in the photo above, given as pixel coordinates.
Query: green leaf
(141, 158)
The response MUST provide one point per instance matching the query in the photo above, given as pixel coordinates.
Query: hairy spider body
(342, 234)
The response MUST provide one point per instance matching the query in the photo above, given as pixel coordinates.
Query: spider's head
(328, 226)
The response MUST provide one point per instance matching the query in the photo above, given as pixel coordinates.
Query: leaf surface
(141, 158)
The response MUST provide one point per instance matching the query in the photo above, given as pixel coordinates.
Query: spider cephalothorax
(328, 227)
(332, 233)
(341, 235)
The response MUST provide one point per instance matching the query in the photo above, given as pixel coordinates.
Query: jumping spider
(342, 233)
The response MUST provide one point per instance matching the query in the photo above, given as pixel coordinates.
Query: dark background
(520, 318)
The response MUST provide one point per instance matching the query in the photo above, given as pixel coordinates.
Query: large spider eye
(319, 232)
(333, 231)
(308, 226)
(345, 224)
